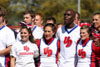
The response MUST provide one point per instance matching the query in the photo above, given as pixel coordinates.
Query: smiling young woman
(25, 50)
(49, 47)
(86, 48)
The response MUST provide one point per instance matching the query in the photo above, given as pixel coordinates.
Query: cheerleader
(25, 50)
(49, 47)
(85, 49)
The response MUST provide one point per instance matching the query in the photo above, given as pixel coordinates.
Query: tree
(88, 7)
(55, 8)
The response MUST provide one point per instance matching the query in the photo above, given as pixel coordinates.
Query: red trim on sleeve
(8, 61)
(93, 55)
(58, 50)
(58, 45)
(38, 43)
(78, 41)
(38, 64)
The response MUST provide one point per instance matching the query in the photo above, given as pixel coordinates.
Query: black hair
(71, 19)
(72, 11)
(97, 13)
(52, 18)
(52, 26)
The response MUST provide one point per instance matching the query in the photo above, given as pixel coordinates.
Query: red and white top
(85, 53)
(68, 39)
(48, 52)
(96, 34)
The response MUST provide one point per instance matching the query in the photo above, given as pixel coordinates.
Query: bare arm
(5, 51)
(12, 61)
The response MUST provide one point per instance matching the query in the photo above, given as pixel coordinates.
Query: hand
(97, 42)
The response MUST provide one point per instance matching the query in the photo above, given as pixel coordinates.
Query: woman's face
(84, 34)
(48, 32)
(24, 35)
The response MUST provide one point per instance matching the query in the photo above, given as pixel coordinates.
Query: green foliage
(88, 7)
(4, 3)
(55, 8)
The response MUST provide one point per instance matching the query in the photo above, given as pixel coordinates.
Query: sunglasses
(67, 14)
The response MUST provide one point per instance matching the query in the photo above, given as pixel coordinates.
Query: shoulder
(78, 41)
(57, 40)
(39, 28)
(77, 27)
(35, 45)
(32, 44)
(61, 29)
(7, 29)
(16, 44)
(38, 42)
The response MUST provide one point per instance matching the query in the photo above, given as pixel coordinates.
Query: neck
(33, 25)
(70, 26)
(28, 23)
(49, 41)
(1, 24)
(85, 41)
(40, 26)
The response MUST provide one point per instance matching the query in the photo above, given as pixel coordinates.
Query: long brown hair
(89, 30)
(31, 38)
(52, 26)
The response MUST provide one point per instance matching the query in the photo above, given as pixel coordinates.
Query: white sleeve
(13, 51)
(57, 34)
(10, 38)
(18, 37)
(38, 33)
(36, 51)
